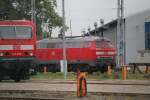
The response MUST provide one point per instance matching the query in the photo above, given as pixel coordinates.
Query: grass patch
(50, 75)
(95, 76)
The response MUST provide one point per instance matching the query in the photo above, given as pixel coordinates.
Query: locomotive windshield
(103, 44)
(15, 32)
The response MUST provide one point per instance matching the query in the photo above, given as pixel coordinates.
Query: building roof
(106, 26)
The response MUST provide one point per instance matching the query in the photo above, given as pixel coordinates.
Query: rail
(24, 98)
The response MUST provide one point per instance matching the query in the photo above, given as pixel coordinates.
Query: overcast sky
(84, 13)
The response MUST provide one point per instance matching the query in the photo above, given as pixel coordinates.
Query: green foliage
(21, 9)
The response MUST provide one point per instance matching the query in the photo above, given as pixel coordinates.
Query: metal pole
(70, 27)
(102, 25)
(95, 28)
(123, 30)
(33, 11)
(64, 43)
(95, 25)
(118, 37)
(89, 30)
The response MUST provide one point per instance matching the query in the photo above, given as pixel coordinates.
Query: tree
(6, 9)
(21, 9)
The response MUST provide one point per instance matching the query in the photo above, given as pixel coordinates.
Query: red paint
(74, 54)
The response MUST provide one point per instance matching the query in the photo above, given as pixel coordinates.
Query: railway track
(93, 82)
(24, 98)
(120, 82)
(31, 95)
(64, 90)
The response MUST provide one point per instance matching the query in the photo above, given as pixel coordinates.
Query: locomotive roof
(15, 22)
(76, 39)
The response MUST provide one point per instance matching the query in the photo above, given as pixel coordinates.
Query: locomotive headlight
(31, 53)
(1, 54)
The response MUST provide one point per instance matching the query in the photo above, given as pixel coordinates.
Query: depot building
(137, 34)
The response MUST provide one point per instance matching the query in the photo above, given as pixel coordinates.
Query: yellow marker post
(124, 72)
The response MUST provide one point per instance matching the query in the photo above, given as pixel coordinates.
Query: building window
(147, 35)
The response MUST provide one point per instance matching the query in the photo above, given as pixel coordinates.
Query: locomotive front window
(15, 32)
(86, 44)
(103, 44)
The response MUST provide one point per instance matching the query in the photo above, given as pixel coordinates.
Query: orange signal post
(81, 84)
(148, 71)
(124, 72)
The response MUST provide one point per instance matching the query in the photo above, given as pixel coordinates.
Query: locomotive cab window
(15, 32)
(103, 44)
(86, 44)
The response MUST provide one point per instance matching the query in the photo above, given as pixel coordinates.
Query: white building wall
(135, 34)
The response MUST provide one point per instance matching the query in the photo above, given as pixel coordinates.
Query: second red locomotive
(87, 53)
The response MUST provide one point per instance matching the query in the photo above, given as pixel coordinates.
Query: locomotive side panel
(48, 55)
(79, 52)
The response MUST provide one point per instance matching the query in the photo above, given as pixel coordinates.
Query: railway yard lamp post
(64, 43)
(95, 25)
(102, 25)
(83, 32)
(89, 29)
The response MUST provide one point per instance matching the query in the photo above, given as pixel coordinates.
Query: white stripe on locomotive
(22, 47)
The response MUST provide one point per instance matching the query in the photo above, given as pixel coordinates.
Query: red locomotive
(17, 48)
(88, 53)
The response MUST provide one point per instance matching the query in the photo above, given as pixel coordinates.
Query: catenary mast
(120, 37)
